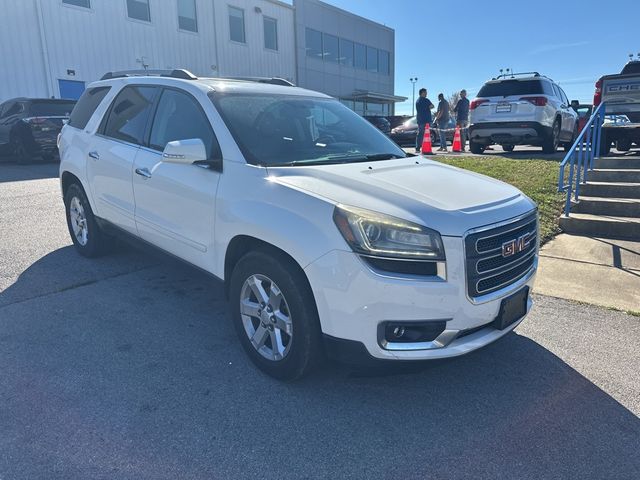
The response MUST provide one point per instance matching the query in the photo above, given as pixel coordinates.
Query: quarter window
(179, 117)
(187, 18)
(314, 43)
(330, 48)
(270, 33)
(86, 106)
(236, 24)
(129, 114)
(139, 10)
(78, 3)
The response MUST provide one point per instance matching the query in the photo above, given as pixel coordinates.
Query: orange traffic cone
(457, 141)
(426, 141)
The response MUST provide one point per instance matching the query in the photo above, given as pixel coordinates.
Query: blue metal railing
(580, 158)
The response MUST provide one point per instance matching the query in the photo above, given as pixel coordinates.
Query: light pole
(413, 98)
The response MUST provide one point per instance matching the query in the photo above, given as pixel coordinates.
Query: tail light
(476, 102)
(537, 101)
(597, 96)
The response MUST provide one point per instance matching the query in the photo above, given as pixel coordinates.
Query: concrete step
(624, 163)
(610, 189)
(614, 175)
(604, 226)
(620, 207)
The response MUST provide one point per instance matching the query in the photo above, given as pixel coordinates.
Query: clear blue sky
(450, 45)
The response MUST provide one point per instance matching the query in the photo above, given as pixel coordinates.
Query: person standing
(442, 117)
(462, 117)
(423, 116)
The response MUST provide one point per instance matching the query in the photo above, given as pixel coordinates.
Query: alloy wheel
(78, 221)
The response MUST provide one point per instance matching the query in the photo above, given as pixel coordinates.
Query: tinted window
(179, 117)
(547, 88)
(506, 88)
(281, 129)
(330, 48)
(47, 108)
(314, 43)
(383, 62)
(139, 9)
(270, 33)
(78, 3)
(13, 109)
(564, 97)
(346, 52)
(87, 104)
(129, 114)
(631, 67)
(187, 19)
(360, 56)
(372, 59)
(236, 24)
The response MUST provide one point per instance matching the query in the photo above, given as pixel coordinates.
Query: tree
(453, 100)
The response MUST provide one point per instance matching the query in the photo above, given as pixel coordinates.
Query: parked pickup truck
(621, 92)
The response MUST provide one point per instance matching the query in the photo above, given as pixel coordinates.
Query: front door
(112, 152)
(175, 204)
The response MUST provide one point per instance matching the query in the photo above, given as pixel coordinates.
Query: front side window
(360, 56)
(313, 43)
(372, 59)
(346, 52)
(86, 106)
(290, 130)
(236, 24)
(187, 18)
(179, 117)
(139, 10)
(78, 3)
(129, 114)
(330, 48)
(270, 33)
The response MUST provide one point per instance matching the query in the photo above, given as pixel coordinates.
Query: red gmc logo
(517, 245)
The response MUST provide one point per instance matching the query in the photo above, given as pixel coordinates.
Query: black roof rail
(270, 80)
(513, 75)
(176, 73)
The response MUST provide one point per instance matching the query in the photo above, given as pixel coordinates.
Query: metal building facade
(49, 47)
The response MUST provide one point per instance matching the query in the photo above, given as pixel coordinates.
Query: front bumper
(353, 301)
(530, 133)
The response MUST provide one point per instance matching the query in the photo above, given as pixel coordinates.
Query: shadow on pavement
(12, 172)
(140, 375)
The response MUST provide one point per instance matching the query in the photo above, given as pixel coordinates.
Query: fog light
(410, 332)
(398, 332)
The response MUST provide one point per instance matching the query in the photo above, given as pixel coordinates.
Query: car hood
(447, 199)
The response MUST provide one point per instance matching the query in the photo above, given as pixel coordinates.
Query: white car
(329, 238)
(522, 109)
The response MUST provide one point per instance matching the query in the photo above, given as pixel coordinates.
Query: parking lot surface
(128, 367)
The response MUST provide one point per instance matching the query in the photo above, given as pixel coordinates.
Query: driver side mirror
(185, 152)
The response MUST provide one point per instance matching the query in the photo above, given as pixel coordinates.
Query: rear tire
(508, 148)
(476, 148)
(20, 152)
(623, 145)
(283, 312)
(550, 144)
(88, 238)
(567, 146)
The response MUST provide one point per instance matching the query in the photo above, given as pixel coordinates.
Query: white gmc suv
(329, 238)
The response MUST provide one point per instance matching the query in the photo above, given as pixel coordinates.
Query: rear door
(112, 152)
(175, 204)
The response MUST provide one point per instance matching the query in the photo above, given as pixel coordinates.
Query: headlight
(373, 233)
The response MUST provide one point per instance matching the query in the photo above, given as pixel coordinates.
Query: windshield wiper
(339, 158)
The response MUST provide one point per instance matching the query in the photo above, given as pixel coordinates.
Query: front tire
(21, 152)
(476, 148)
(274, 314)
(89, 240)
(550, 144)
(623, 145)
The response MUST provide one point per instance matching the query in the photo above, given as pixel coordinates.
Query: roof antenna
(631, 57)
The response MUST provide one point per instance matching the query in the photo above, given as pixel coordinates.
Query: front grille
(500, 256)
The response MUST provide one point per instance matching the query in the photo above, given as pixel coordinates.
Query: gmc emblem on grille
(517, 245)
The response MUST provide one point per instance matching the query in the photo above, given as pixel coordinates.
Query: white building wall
(103, 38)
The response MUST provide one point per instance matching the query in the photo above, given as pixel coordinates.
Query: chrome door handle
(143, 172)
(95, 155)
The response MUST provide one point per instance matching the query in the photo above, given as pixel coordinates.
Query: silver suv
(522, 109)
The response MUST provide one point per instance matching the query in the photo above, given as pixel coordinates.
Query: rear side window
(51, 108)
(86, 106)
(507, 88)
(129, 114)
(180, 117)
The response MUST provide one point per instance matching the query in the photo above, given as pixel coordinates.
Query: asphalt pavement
(128, 367)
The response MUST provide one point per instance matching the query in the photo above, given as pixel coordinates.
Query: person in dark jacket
(423, 111)
(462, 117)
(442, 118)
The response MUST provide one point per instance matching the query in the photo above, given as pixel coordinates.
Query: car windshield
(507, 88)
(412, 122)
(273, 129)
(51, 109)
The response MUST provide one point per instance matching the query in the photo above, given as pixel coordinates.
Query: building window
(346, 52)
(314, 43)
(330, 51)
(78, 3)
(270, 33)
(187, 18)
(360, 56)
(372, 59)
(139, 10)
(358, 107)
(383, 62)
(236, 24)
